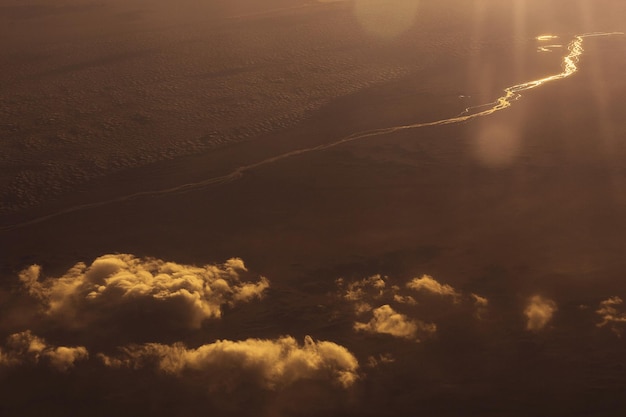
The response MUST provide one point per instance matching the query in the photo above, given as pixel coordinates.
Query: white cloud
(272, 364)
(387, 321)
(26, 347)
(375, 296)
(113, 281)
(362, 308)
(479, 301)
(610, 314)
(539, 312)
(480, 305)
(429, 284)
(404, 299)
(370, 287)
(385, 358)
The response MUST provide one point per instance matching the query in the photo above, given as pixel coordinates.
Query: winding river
(511, 95)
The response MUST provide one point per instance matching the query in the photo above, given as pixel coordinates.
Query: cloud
(376, 297)
(363, 292)
(539, 312)
(610, 315)
(388, 321)
(404, 299)
(480, 305)
(479, 301)
(362, 308)
(25, 347)
(382, 359)
(273, 364)
(429, 284)
(115, 284)
(370, 287)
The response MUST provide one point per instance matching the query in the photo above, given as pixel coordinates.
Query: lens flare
(497, 145)
(386, 18)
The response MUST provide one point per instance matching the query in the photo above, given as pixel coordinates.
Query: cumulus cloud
(362, 308)
(539, 312)
(480, 305)
(370, 287)
(386, 320)
(378, 301)
(362, 293)
(610, 314)
(25, 347)
(190, 294)
(479, 301)
(404, 299)
(385, 358)
(273, 364)
(429, 284)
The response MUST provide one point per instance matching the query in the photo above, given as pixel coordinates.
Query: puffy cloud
(63, 358)
(26, 347)
(429, 284)
(610, 314)
(374, 362)
(404, 299)
(363, 292)
(362, 308)
(480, 305)
(190, 294)
(375, 296)
(273, 364)
(539, 312)
(479, 301)
(29, 278)
(370, 287)
(387, 321)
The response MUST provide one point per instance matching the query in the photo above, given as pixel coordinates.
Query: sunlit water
(511, 95)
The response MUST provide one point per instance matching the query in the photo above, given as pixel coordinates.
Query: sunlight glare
(542, 38)
(386, 18)
(496, 145)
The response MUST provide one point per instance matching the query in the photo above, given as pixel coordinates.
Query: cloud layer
(188, 294)
(25, 347)
(273, 364)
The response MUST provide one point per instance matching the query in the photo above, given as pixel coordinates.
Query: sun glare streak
(520, 24)
(542, 38)
(511, 95)
(586, 13)
(548, 48)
